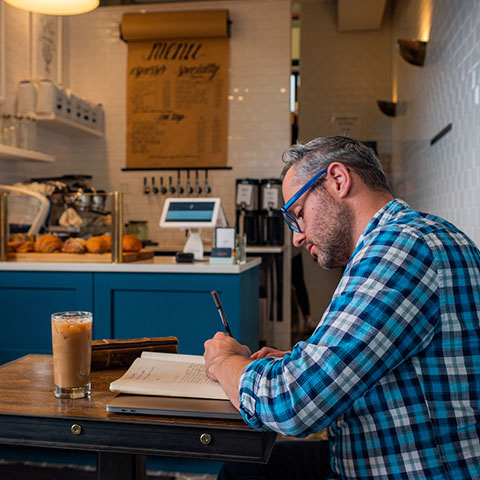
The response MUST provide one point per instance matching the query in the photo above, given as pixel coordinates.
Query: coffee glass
(72, 353)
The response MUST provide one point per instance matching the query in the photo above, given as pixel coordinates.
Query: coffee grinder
(271, 220)
(247, 214)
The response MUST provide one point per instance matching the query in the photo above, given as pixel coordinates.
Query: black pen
(216, 299)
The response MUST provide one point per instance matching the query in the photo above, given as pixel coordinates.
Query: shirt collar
(385, 215)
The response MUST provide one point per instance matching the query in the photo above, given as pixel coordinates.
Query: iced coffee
(72, 350)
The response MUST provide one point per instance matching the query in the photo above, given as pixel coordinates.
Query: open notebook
(170, 384)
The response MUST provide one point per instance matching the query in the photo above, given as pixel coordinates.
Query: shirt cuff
(247, 396)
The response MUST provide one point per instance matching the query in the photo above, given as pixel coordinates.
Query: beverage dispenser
(271, 220)
(246, 200)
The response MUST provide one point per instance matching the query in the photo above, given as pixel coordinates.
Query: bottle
(21, 137)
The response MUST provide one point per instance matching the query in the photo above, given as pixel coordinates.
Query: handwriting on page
(177, 372)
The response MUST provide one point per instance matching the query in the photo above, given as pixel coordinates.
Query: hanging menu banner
(177, 89)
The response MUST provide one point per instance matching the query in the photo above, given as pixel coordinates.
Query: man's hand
(225, 360)
(268, 352)
(218, 349)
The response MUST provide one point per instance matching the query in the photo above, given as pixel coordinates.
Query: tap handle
(146, 188)
(206, 187)
(154, 187)
(171, 187)
(179, 185)
(163, 189)
(189, 186)
(198, 188)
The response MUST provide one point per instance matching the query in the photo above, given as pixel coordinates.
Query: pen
(218, 304)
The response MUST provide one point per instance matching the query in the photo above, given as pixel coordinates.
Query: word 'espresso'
(174, 51)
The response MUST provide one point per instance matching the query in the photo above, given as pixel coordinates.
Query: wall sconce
(413, 51)
(388, 108)
(392, 109)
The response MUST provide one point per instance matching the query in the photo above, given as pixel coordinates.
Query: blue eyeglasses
(289, 218)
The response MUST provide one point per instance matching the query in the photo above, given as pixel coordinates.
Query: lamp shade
(412, 51)
(55, 7)
(388, 108)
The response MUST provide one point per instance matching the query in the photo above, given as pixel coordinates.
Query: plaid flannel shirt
(393, 368)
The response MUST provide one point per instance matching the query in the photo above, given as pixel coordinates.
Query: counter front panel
(127, 304)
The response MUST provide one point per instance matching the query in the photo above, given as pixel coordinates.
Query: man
(393, 368)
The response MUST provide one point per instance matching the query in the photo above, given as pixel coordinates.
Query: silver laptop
(173, 406)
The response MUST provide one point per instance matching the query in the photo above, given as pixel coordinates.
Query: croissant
(108, 240)
(96, 245)
(12, 246)
(131, 243)
(75, 245)
(25, 247)
(48, 243)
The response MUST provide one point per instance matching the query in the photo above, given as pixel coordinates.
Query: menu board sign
(177, 89)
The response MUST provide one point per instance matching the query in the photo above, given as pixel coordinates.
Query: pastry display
(131, 243)
(26, 247)
(51, 244)
(97, 245)
(75, 245)
(48, 244)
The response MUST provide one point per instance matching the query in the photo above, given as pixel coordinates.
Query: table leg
(121, 466)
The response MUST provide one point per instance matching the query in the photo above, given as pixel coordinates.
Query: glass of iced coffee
(72, 352)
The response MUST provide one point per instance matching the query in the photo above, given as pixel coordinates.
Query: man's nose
(298, 239)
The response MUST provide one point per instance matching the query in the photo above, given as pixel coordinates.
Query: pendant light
(55, 7)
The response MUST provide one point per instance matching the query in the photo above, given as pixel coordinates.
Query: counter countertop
(155, 265)
(250, 249)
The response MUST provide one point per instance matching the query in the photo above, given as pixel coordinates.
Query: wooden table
(30, 415)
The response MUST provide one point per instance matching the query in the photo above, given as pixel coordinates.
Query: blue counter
(143, 299)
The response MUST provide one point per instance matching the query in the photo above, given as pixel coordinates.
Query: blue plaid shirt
(393, 369)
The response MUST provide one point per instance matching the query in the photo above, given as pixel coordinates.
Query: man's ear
(341, 179)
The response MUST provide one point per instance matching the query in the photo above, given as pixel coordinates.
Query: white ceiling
(351, 14)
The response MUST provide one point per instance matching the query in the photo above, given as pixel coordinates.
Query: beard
(332, 237)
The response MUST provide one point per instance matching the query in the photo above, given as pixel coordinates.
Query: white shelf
(14, 153)
(65, 126)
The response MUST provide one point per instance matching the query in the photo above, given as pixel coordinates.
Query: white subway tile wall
(17, 68)
(443, 178)
(346, 73)
(95, 62)
(259, 121)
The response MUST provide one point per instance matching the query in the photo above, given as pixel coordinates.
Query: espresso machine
(247, 213)
(272, 227)
(77, 209)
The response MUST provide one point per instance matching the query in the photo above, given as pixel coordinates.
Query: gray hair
(318, 154)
